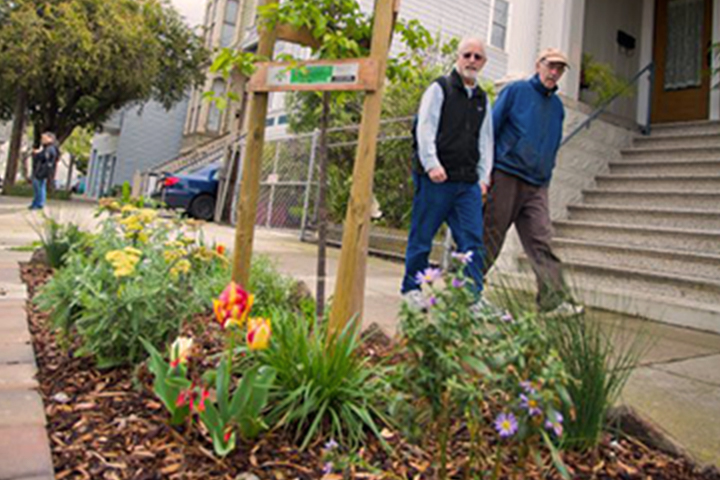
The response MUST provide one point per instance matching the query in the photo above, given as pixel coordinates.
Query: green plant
(461, 362)
(602, 80)
(324, 386)
(143, 277)
(22, 189)
(600, 361)
(240, 409)
(58, 239)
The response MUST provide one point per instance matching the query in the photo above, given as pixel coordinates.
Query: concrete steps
(644, 183)
(665, 167)
(658, 217)
(655, 259)
(663, 130)
(681, 240)
(661, 198)
(654, 154)
(586, 275)
(646, 239)
(711, 139)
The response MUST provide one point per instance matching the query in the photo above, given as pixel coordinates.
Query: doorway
(683, 33)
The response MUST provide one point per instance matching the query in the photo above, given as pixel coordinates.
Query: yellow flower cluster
(124, 261)
(135, 220)
(174, 254)
(182, 266)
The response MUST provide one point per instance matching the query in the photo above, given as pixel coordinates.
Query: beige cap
(553, 55)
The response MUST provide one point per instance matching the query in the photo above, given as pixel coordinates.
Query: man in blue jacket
(528, 118)
(452, 164)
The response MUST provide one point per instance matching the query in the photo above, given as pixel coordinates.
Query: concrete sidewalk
(677, 386)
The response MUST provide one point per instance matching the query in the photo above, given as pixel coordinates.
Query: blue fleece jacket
(527, 120)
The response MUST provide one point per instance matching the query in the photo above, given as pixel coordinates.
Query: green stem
(498, 465)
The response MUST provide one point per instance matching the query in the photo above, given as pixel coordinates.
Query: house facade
(134, 139)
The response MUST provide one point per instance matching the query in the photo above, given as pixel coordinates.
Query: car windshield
(206, 171)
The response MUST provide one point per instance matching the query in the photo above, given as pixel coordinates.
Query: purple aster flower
(432, 301)
(328, 468)
(506, 425)
(429, 275)
(554, 423)
(458, 282)
(507, 318)
(528, 387)
(331, 444)
(530, 404)
(464, 258)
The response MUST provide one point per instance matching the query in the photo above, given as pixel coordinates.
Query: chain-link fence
(288, 196)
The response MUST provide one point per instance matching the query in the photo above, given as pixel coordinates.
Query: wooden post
(350, 285)
(247, 207)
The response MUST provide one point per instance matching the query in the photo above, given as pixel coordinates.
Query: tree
(77, 146)
(343, 31)
(75, 62)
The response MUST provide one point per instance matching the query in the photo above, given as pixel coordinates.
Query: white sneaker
(415, 300)
(566, 309)
(484, 309)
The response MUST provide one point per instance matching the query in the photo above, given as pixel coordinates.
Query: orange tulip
(258, 334)
(232, 306)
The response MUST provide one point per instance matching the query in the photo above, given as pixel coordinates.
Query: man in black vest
(453, 159)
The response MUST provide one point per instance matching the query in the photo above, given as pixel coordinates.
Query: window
(283, 120)
(498, 30)
(270, 122)
(213, 121)
(227, 36)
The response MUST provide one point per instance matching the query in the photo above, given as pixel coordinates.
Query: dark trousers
(460, 205)
(514, 201)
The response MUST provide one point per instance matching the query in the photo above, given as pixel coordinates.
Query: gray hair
(51, 135)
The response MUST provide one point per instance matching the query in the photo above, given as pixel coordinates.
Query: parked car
(195, 192)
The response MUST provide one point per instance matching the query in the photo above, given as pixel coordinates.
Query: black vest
(459, 130)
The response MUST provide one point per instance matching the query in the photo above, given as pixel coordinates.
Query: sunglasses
(476, 56)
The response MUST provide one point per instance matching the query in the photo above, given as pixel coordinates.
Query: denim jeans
(39, 193)
(459, 204)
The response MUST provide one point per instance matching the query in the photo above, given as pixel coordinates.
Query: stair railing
(645, 129)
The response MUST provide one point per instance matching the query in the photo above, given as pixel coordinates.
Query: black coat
(44, 162)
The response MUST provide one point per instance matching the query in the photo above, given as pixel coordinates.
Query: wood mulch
(108, 425)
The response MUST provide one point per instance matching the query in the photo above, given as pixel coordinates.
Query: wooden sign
(316, 75)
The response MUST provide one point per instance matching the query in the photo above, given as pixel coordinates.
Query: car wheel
(202, 207)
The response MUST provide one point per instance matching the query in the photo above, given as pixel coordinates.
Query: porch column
(715, 81)
(562, 27)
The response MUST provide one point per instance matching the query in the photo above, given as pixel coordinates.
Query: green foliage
(141, 278)
(241, 408)
(58, 239)
(81, 60)
(168, 382)
(461, 362)
(600, 361)
(602, 80)
(78, 146)
(22, 189)
(323, 385)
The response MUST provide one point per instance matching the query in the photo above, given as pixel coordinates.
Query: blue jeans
(458, 204)
(39, 193)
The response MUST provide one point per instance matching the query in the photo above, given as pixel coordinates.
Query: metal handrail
(650, 67)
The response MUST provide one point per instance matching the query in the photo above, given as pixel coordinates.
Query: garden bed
(107, 424)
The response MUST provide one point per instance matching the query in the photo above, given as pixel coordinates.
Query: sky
(192, 10)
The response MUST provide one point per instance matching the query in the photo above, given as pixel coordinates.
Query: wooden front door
(683, 31)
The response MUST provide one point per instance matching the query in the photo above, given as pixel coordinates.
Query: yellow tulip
(258, 334)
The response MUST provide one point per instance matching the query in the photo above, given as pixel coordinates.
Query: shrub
(600, 363)
(58, 239)
(478, 365)
(323, 385)
(142, 277)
